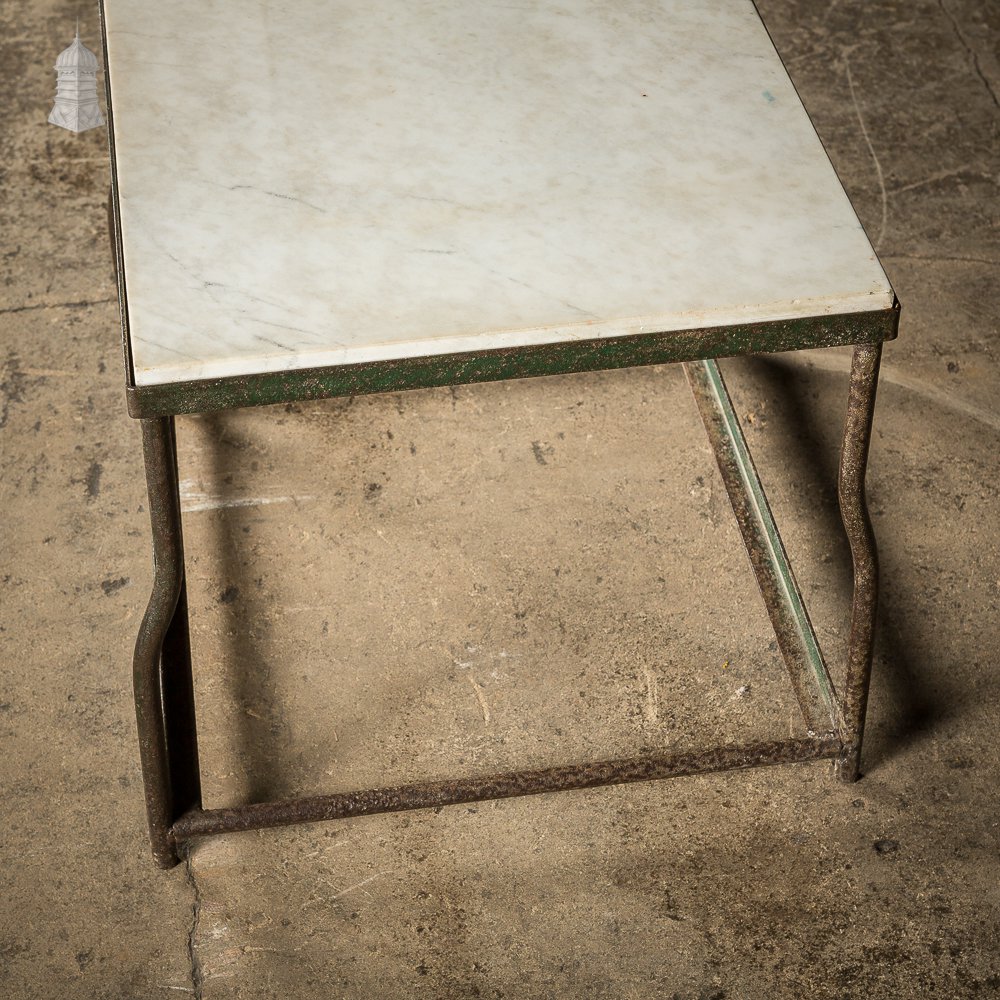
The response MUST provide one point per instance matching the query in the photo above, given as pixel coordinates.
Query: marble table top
(319, 183)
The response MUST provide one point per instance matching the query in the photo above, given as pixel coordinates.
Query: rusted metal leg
(161, 666)
(857, 524)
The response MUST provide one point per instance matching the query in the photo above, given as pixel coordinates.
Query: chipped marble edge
(269, 363)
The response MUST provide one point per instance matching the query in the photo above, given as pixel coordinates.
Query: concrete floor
(447, 582)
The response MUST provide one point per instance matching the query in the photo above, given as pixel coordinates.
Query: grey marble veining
(325, 183)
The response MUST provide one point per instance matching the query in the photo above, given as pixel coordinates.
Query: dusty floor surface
(455, 581)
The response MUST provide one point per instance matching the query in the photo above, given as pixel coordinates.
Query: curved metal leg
(161, 666)
(857, 524)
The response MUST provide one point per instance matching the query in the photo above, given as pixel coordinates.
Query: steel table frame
(162, 675)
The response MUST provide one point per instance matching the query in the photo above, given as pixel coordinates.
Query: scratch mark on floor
(481, 697)
(939, 176)
(941, 258)
(357, 885)
(973, 57)
(81, 304)
(193, 499)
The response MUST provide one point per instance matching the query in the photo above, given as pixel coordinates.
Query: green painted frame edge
(601, 354)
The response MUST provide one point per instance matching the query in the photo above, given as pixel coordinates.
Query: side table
(335, 199)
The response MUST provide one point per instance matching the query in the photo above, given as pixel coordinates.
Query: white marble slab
(333, 181)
